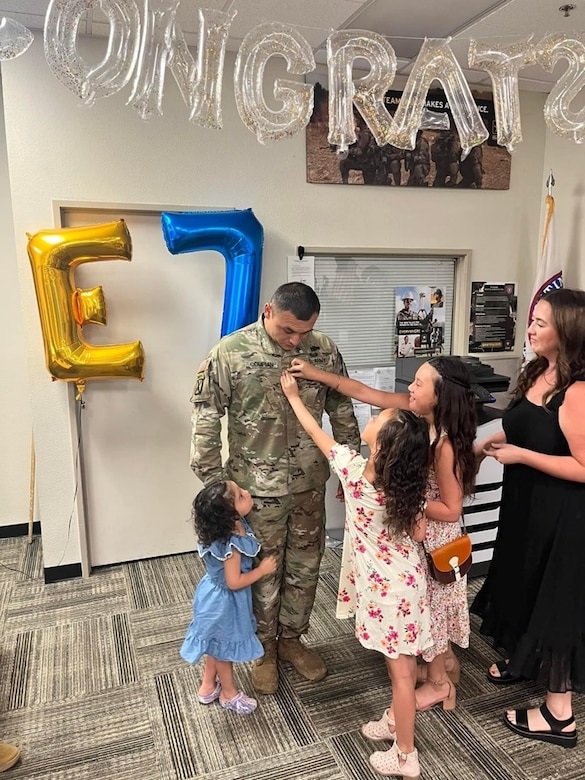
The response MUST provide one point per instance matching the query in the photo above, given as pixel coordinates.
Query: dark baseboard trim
(479, 569)
(57, 573)
(20, 529)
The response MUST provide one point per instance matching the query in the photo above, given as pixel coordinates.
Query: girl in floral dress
(442, 394)
(384, 583)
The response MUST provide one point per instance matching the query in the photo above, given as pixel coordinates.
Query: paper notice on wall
(363, 413)
(385, 378)
(363, 375)
(301, 269)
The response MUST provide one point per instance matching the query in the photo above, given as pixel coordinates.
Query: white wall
(15, 413)
(567, 160)
(58, 151)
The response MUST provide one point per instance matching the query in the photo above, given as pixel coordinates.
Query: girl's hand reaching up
(289, 384)
(300, 368)
(268, 565)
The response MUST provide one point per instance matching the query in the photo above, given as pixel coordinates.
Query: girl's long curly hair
(455, 416)
(401, 465)
(214, 515)
(568, 318)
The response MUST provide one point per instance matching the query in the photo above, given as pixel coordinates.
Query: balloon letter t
(64, 309)
(238, 236)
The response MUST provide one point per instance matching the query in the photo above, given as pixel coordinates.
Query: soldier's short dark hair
(297, 298)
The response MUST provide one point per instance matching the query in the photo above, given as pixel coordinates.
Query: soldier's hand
(289, 384)
(268, 565)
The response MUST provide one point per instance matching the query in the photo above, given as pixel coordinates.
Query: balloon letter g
(64, 309)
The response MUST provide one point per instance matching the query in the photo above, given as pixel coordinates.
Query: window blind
(358, 301)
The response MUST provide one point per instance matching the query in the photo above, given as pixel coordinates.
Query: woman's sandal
(504, 677)
(447, 702)
(556, 735)
(380, 730)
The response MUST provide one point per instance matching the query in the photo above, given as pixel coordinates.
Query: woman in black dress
(533, 599)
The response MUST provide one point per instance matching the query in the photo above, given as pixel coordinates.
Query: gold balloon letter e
(64, 309)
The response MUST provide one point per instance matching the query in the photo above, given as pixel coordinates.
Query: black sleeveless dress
(533, 599)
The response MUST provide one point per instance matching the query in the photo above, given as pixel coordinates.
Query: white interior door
(138, 485)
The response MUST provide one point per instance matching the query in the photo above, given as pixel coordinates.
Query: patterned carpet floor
(92, 686)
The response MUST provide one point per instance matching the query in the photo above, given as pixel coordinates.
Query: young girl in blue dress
(382, 580)
(223, 626)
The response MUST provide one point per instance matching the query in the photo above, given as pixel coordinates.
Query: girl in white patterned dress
(384, 584)
(441, 393)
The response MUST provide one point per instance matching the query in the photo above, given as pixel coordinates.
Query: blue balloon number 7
(239, 237)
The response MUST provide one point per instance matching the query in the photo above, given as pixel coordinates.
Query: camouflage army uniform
(407, 315)
(418, 163)
(445, 153)
(271, 456)
(471, 169)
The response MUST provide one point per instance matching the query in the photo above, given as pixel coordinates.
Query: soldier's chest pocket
(313, 395)
(260, 395)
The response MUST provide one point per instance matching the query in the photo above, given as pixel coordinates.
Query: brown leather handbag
(452, 561)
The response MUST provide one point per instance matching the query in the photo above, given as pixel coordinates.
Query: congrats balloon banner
(64, 308)
(143, 41)
(239, 237)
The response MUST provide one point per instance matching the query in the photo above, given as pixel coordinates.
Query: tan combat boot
(265, 670)
(307, 662)
(9, 755)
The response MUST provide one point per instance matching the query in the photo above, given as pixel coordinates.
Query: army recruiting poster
(420, 321)
(434, 162)
(492, 322)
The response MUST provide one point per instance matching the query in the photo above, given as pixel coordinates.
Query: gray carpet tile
(158, 634)
(159, 581)
(70, 660)
(19, 560)
(35, 604)
(104, 735)
(92, 686)
(315, 762)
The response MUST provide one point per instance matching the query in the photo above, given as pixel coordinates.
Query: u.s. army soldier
(271, 456)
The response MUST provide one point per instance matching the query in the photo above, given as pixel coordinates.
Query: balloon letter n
(238, 236)
(64, 308)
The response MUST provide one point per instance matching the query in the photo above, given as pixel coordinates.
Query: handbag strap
(462, 526)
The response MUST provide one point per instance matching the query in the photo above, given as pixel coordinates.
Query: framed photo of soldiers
(434, 162)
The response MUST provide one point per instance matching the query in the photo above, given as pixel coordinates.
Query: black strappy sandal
(504, 678)
(556, 735)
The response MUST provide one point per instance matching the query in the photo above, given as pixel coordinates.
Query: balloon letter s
(64, 309)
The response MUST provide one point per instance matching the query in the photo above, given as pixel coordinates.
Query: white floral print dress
(382, 580)
(447, 603)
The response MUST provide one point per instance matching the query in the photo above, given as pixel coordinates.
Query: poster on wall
(492, 322)
(420, 321)
(434, 162)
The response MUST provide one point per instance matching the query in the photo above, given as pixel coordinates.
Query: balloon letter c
(238, 236)
(64, 309)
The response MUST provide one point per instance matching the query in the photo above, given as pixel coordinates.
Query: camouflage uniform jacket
(269, 452)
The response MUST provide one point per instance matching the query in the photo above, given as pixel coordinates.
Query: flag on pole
(549, 274)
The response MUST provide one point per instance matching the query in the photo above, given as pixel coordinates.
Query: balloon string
(79, 410)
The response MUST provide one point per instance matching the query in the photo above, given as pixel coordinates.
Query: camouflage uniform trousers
(292, 528)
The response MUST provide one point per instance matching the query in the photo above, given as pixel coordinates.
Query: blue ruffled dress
(223, 624)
